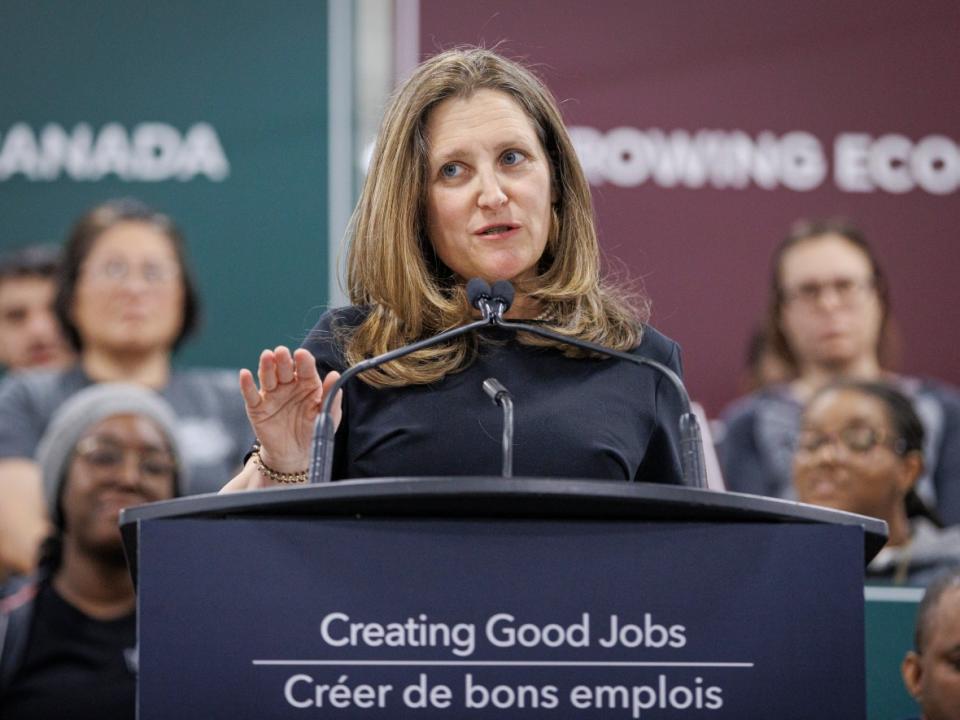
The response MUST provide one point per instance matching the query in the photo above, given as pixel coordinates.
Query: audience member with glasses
(860, 449)
(828, 319)
(68, 632)
(126, 300)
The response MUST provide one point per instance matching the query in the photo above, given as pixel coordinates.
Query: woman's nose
(129, 471)
(492, 194)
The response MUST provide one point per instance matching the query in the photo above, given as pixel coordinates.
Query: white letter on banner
(627, 157)
(111, 154)
(54, 148)
(155, 148)
(767, 161)
(201, 152)
(729, 158)
(888, 162)
(589, 144)
(802, 162)
(19, 153)
(668, 154)
(79, 158)
(850, 162)
(936, 164)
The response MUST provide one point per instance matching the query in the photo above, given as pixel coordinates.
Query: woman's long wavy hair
(393, 271)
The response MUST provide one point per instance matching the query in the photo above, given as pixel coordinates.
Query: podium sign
(426, 618)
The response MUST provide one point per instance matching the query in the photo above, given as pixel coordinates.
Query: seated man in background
(68, 635)
(30, 335)
(931, 671)
(860, 450)
(828, 319)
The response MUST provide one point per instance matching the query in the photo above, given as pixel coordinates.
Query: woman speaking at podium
(473, 175)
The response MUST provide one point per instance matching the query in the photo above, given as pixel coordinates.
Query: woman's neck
(814, 377)
(99, 589)
(150, 368)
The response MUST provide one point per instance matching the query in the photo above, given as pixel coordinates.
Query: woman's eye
(512, 157)
(450, 170)
(105, 458)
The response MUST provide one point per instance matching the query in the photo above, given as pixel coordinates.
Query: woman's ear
(912, 464)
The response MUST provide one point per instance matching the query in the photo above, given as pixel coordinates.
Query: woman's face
(129, 295)
(831, 313)
(488, 187)
(846, 459)
(119, 462)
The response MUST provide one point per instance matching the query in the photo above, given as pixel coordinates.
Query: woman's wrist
(279, 464)
(286, 478)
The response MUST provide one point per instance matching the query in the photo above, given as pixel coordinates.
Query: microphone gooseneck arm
(501, 396)
(692, 464)
(492, 304)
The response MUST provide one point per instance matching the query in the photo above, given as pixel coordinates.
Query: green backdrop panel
(214, 112)
(889, 635)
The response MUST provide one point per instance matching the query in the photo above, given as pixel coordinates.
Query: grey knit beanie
(86, 408)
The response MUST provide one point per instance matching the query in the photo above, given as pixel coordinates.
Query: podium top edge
(440, 496)
(496, 497)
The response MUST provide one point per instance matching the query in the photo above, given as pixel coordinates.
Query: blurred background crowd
(783, 182)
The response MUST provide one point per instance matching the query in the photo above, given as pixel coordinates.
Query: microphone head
(477, 289)
(503, 291)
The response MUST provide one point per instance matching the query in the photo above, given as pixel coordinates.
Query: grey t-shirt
(213, 429)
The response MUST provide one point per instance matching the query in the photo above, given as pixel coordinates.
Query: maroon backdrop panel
(707, 128)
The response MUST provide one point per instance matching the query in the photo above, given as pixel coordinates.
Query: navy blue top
(574, 418)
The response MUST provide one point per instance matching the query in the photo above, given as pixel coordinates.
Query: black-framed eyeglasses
(855, 439)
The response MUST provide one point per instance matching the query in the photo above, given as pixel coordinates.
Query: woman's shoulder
(654, 345)
(325, 340)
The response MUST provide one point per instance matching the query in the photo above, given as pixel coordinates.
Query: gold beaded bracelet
(275, 475)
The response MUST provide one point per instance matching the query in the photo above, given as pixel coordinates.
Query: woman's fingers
(306, 366)
(267, 371)
(284, 363)
(286, 377)
(248, 388)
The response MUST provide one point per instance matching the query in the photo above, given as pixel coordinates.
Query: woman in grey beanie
(67, 636)
(86, 408)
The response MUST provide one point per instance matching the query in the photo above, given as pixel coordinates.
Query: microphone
(692, 464)
(481, 298)
(501, 396)
(501, 294)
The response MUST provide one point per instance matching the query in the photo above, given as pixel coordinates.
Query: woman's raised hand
(284, 408)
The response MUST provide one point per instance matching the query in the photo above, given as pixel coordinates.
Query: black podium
(491, 597)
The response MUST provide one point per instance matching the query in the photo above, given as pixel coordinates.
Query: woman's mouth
(502, 230)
